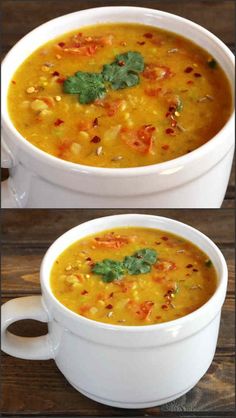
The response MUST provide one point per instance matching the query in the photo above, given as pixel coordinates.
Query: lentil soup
(119, 95)
(133, 276)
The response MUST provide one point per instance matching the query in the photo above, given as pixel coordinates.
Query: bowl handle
(7, 161)
(36, 348)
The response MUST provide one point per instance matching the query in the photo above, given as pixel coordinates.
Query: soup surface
(133, 276)
(119, 95)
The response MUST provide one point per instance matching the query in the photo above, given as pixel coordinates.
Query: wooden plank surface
(26, 236)
(21, 16)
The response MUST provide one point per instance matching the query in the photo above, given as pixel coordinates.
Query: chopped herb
(139, 263)
(89, 86)
(208, 263)
(179, 105)
(212, 63)
(109, 270)
(123, 72)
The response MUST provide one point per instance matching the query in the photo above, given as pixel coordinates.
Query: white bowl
(37, 179)
(123, 366)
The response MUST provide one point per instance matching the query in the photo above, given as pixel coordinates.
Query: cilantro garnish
(109, 270)
(121, 73)
(89, 86)
(208, 263)
(212, 63)
(138, 263)
(179, 105)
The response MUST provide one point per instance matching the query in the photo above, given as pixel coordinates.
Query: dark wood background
(37, 388)
(21, 16)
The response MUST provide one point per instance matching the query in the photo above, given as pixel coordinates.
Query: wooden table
(37, 388)
(21, 16)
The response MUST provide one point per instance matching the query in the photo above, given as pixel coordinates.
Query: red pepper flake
(158, 243)
(95, 122)
(172, 108)
(141, 43)
(170, 131)
(164, 238)
(173, 123)
(189, 266)
(55, 73)
(95, 139)
(197, 75)
(168, 114)
(111, 294)
(61, 44)
(165, 307)
(148, 35)
(84, 292)
(109, 306)
(13, 82)
(121, 63)
(60, 80)
(190, 82)
(195, 269)
(165, 147)
(58, 122)
(88, 259)
(188, 70)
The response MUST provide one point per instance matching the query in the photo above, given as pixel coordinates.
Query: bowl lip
(71, 315)
(56, 162)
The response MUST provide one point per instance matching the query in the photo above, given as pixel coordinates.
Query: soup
(119, 95)
(133, 276)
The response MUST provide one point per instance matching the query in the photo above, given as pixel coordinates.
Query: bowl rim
(45, 274)
(173, 164)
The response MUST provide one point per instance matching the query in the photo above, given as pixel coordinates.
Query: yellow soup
(133, 276)
(119, 95)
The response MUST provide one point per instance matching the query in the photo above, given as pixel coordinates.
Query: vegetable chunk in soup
(133, 276)
(119, 95)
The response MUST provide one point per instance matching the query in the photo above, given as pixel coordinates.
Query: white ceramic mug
(123, 366)
(37, 179)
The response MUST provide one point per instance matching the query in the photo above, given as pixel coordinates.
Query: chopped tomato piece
(153, 92)
(165, 265)
(63, 147)
(111, 241)
(157, 72)
(85, 125)
(124, 285)
(142, 310)
(111, 107)
(140, 140)
(85, 45)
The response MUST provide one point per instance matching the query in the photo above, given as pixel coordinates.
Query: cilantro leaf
(141, 261)
(123, 72)
(89, 86)
(109, 270)
(179, 104)
(212, 63)
(208, 263)
(147, 254)
(138, 263)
